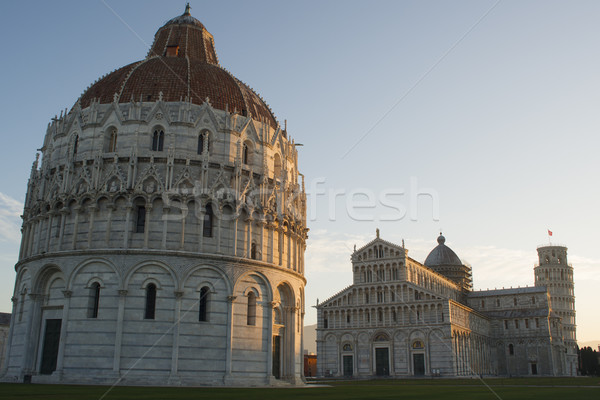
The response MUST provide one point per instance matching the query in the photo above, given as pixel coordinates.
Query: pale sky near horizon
(491, 106)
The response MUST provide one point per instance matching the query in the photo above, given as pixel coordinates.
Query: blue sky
(491, 106)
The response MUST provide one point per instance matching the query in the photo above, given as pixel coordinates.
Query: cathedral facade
(164, 232)
(404, 318)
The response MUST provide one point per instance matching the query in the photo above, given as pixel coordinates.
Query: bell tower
(554, 272)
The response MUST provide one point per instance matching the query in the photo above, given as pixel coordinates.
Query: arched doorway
(283, 351)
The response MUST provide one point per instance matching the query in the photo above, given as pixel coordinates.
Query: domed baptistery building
(164, 231)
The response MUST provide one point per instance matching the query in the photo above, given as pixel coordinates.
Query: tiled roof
(182, 63)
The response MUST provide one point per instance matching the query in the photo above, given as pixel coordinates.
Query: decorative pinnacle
(187, 9)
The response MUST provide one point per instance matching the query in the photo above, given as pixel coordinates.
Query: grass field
(462, 389)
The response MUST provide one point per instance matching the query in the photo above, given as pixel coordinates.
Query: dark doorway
(533, 369)
(419, 364)
(277, 357)
(50, 349)
(348, 368)
(382, 362)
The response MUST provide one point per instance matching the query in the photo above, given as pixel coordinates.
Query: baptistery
(164, 231)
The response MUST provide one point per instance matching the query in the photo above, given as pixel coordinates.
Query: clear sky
(491, 107)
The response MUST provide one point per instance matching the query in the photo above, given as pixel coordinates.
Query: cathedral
(404, 318)
(164, 232)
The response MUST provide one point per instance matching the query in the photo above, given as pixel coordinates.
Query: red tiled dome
(182, 63)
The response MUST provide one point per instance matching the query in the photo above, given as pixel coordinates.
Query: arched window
(150, 301)
(203, 305)
(202, 138)
(112, 140)
(158, 140)
(75, 144)
(94, 300)
(251, 314)
(245, 154)
(208, 222)
(277, 166)
(253, 251)
(515, 301)
(511, 349)
(140, 222)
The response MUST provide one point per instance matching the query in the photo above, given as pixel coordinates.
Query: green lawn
(460, 389)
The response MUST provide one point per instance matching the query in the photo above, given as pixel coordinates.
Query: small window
(325, 323)
(203, 305)
(94, 300)
(251, 319)
(532, 299)
(75, 144)
(505, 324)
(527, 324)
(511, 349)
(497, 302)
(158, 139)
(537, 323)
(380, 316)
(112, 141)
(245, 154)
(172, 51)
(150, 301)
(277, 167)
(202, 140)
(516, 323)
(482, 303)
(208, 222)
(140, 222)
(348, 318)
(515, 301)
(253, 251)
(366, 298)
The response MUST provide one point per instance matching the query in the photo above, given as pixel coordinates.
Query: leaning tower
(554, 272)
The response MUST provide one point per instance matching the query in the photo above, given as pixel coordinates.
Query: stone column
(92, 211)
(229, 338)
(219, 230)
(184, 211)
(235, 234)
(24, 235)
(166, 210)
(63, 220)
(48, 232)
(262, 224)
(127, 227)
(176, 320)
(147, 225)
(38, 233)
(63, 332)
(268, 307)
(248, 243)
(76, 210)
(202, 211)
(119, 331)
(110, 208)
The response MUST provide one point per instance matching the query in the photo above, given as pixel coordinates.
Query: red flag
(549, 232)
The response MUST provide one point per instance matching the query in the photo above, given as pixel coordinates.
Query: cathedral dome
(181, 64)
(442, 255)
